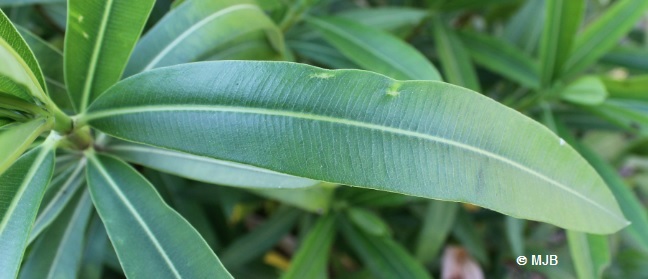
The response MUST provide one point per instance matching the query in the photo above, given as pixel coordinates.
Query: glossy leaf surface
(16, 138)
(450, 131)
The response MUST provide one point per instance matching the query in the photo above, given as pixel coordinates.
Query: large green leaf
(590, 253)
(22, 187)
(455, 59)
(141, 226)
(323, 125)
(384, 257)
(311, 260)
(18, 61)
(374, 49)
(57, 254)
(195, 28)
(604, 33)
(99, 38)
(562, 19)
(503, 58)
(16, 138)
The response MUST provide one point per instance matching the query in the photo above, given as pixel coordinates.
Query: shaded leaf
(312, 257)
(455, 59)
(562, 19)
(437, 223)
(590, 253)
(367, 221)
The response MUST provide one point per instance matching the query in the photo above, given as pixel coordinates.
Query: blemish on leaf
(80, 18)
(393, 89)
(562, 142)
(322, 75)
(85, 35)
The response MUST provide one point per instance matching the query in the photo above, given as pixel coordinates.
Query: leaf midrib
(135, 214)
(342, 121)
(94, 59)
(193, 29)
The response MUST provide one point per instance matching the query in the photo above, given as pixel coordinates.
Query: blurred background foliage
(580, 68)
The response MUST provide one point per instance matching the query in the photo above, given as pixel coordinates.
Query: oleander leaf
(16, 138)
(19, 63)
(367, 221)
(22, 187)
(312, 257)
(27, 2)
(141, 226)
(322, 125)
(57, 254)
(562, 20)
(437, 223)
(392, 19)
(374, 49)
(196, 28)
(503, 58)
(525, 27)
(587, 90)
(590, 253)
(603, 34)
(635, 58)
(455, 59)
(633, 88)
(99, 38)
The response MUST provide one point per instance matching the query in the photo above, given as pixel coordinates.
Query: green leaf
(312, 258)
(465, 232)
(22, 187)
(515, 234)
(629, 203)
(633, 88)
(562, 20)
(628, 114)
(635, 58)
(525, 27)
(95, 247)
(15, 139)
(27, 2)
(587, 90)
(367, 221)
(397, 20)
(205, 169)
(374, 49)
(503, 58)
(321, 53)
(141, 226)
(99, 38)
(57, 254)
(437, 222)
(58, 195)
(604, 33)
(383, 256)
(193, 30)
(51, 61)
(455, 60)
(261, 239)
(590, 253)
(19, 62)
(316, 198)
(321, 124)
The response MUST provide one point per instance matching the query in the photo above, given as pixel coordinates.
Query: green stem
(62, 122)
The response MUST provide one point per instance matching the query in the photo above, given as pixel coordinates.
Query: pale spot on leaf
(85, 35)
(322, 75)
(562, 142)
(80, 18)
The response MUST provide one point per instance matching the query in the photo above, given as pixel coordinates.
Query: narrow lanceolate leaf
(587, 90)
(96, 246)
(455, 59)
(367, 221)
(374, 49)
(141, 226)
(261, 239)
(397, 20)
(51, 62)
(27, 2)
(15, 139)
(22, 187)
(604, 33)
(437, 222)
(384, 257)
(312, 257)
(590, 253)
(57, 254)
(503, 58)
(525, 27)
(196, 28)
(65, 187)
(628, 201)
(322, 124)
(515, 234)
(18, 62)
(99, 38)
(205, 169)
(633, 57)
(562, 19)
